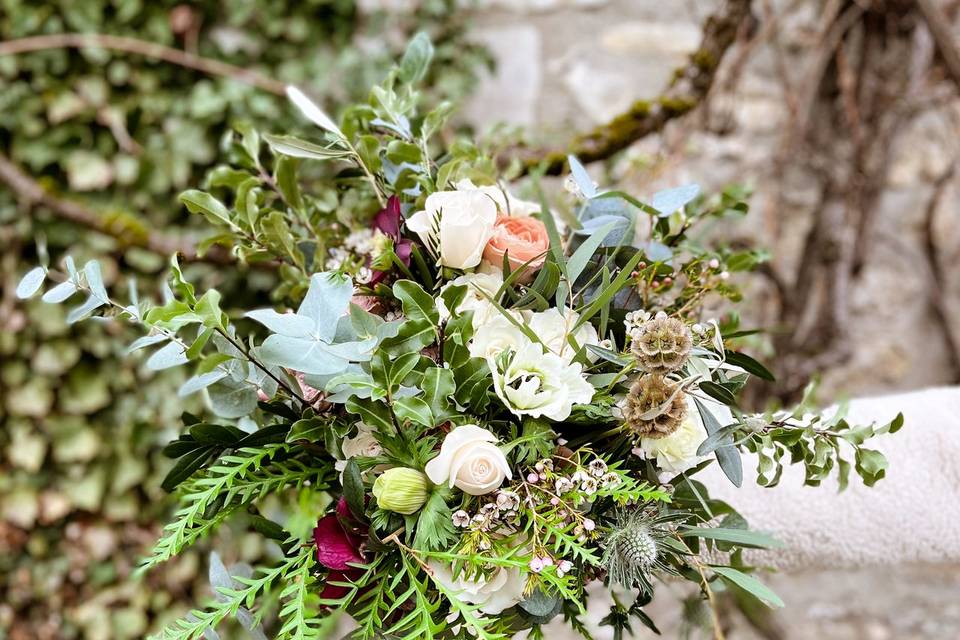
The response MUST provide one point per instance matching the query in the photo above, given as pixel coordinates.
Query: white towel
(912, 515)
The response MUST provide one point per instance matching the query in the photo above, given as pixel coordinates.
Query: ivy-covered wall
(120, 134)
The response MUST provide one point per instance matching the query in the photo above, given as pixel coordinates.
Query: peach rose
(522, 239)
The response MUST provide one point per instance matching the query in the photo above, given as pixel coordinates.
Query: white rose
(677, 452)
(463, 221)
(507, 203)
(538, 384)
(474, 299)
(470, 460)
(503, 589)
(496, 334)
(362, 445)
(552, 328)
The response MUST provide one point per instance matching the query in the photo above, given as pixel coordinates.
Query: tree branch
(938, 288)
(126, 229)
(689, 86)
(143, 48)
(939, 25)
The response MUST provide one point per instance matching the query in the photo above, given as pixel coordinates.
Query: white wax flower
(538, 384)
(503, 589)
(470, 460)
(463, 221)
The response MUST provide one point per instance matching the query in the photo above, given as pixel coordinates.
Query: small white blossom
(564, 568)
(589, 486)
(610, 479)
(597, 468)
(360, 241)
(461, 519)
(589, 524)
(507, 501)
(563, 485)
(364, 275)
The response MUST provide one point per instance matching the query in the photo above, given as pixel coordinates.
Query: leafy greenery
(398, 347)
(121, 134)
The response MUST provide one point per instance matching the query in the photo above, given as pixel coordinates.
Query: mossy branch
(125, 228)
(688, 87)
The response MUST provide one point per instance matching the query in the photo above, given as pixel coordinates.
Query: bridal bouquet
(480, 403)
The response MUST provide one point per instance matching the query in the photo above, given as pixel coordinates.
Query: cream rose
(469, 460)
(677, 452)
(481, 287)
(503, 589)
(552, 328)
(362, 445)
(538, 384)
(456, 225)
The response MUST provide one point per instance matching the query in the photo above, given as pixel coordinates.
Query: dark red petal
(403, 249)
(334, 548)
(332, 591)
(388, 219)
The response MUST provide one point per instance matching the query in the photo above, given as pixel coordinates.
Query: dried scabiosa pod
(654, 407)
(661, 345)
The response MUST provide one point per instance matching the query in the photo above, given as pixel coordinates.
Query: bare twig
(127, 230)
(143, 48)
(689, 87)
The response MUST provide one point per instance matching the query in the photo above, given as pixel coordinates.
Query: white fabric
(912, 515)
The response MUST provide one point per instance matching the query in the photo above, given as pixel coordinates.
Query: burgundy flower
(338, 541)
(387, 221)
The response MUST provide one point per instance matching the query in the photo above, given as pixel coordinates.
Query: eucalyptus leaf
(31, 282)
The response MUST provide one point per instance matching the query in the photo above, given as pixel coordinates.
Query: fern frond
(234, 482)
(192, 626)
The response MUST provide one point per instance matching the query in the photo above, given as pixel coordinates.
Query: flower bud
(401, 490)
